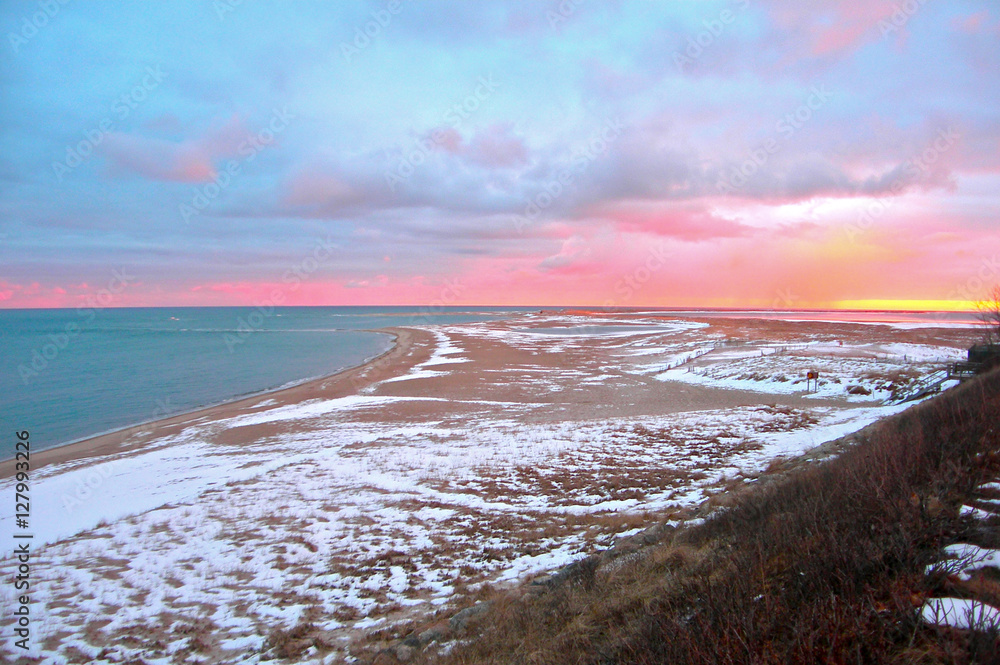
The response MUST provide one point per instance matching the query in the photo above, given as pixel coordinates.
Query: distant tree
(989, 315)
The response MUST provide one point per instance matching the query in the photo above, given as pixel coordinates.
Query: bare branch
(989, 315)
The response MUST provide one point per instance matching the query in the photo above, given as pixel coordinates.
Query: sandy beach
(487, 453)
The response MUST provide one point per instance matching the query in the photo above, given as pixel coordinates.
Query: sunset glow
(777, 154)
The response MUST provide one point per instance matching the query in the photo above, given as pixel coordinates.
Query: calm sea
(69, 374)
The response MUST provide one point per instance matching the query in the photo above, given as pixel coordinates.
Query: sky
(751, 153)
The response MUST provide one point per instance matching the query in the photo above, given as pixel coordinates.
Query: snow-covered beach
(470, 454)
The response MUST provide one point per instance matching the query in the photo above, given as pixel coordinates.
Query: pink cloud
(829, 27)
(413, 290)
(972, 23)
(497, 147)
(159, 160)
(38, 295)
(378, 281)
(188, 161)
(573, 258)
(828, 41)
(683, 223)
(637, 254)
(312, 186)
(447, 138)
(6, 290)
(229, 288)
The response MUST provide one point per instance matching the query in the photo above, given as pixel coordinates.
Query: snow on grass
(974, 513)
(669, 360)
(605, 329)
(315, 408)
(833, 424)
(963, 559)
(336, 524)
(960, 613)
(599, 379)
(528, 564)
(856, 373)
(924, 353)
(565, 333)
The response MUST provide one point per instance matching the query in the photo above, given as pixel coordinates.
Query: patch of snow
(960, 613)
(975, 513)
(963, 558)
(415, 374)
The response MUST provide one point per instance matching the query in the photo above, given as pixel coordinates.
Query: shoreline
(131, 438)
(288, 385)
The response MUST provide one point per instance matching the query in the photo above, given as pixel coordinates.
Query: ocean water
(68, 374)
